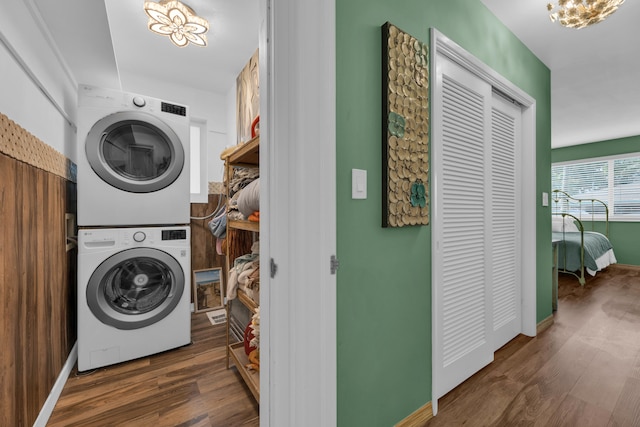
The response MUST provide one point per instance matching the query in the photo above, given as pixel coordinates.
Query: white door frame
(298, 224)
(440, 44)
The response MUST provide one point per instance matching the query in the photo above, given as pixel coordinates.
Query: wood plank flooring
(582, 371)
(189, 386)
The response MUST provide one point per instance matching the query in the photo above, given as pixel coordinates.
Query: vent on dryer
(178, 110)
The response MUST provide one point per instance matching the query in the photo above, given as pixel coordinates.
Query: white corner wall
(232, 127)
(36, 90)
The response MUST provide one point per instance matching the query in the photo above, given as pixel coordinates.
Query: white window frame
(609, 200)
(198, 162)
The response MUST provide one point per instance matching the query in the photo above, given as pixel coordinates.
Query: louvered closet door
(477, 301)
(505, 220)
(462, 302)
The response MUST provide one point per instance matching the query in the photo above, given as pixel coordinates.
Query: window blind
(614, 180)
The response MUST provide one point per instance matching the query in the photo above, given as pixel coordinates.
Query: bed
(581, 228)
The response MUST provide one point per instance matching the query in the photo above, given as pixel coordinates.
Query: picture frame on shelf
(208, 289)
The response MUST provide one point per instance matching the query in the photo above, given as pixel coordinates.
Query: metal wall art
(405, 129)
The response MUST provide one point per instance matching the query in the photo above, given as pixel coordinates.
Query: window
(198, 160)
(615, 180)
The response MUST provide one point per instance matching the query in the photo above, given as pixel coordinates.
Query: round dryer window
(135, 288)
(135, 151)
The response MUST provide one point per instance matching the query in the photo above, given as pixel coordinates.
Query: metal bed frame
(564, 202)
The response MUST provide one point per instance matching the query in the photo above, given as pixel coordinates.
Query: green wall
(384, 282)
(623, 235)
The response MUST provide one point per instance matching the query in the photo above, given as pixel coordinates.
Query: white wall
(24, 45)
(232, 127)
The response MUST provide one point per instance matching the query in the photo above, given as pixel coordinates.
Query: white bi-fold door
(476, 257)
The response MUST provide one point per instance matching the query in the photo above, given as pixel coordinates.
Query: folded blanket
(249, 198)
(241, 178)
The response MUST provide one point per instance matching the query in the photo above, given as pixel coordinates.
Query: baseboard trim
(545, 324)
(628, 266)
(418, 417)
(56, 390)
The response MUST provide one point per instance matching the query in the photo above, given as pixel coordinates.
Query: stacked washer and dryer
(134, 257)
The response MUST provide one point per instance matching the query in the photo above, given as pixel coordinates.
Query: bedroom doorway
(483, 171)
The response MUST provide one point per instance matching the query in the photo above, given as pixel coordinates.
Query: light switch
(545, 199)
(358, 184)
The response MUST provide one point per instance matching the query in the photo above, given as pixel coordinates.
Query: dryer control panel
(174, 234)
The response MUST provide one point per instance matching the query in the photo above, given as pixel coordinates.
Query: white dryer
(133, 293)
(133, 160)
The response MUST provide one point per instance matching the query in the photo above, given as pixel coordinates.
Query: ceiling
(595, 94)
(115, 43)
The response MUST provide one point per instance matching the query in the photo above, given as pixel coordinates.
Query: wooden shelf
(244, 225)
(246, 154)
(246, 301)
(240, 359)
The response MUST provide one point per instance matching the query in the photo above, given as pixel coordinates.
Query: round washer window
(138, 285)
(135, 151)
(135, 288)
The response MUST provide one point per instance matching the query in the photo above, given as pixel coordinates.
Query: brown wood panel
(37, 288)
(203, 243)
(8, 293)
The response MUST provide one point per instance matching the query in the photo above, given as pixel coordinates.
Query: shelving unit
(240, 359)
(244, 225)
(248, 156)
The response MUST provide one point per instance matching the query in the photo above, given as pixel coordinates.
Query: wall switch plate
(545, 199)
(358, 184)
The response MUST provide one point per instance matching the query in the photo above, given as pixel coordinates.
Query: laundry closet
(143, 281)
(98, 246)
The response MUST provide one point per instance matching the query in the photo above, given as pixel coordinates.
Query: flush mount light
(582, 13)
(178, 21)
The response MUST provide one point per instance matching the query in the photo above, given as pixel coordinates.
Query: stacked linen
(244, 193)
(245, 274)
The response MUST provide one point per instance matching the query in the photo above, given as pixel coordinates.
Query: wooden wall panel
(203, 243)
(37, 287)
(8, 293)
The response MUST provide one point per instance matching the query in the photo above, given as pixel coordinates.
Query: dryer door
(135, 288)
(135, 151)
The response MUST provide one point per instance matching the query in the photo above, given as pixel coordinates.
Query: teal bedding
(595, 245)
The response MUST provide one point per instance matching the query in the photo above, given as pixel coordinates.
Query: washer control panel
(167, 237)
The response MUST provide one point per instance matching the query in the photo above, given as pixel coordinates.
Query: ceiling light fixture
(178, 21)
(582, 13)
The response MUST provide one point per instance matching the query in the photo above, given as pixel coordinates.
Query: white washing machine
(133, 160)
(133, 293)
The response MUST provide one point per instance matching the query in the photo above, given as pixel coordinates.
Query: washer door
(135, 288)
(135, 151)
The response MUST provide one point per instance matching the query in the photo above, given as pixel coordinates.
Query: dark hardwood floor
(189, 386)
(582, 371)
